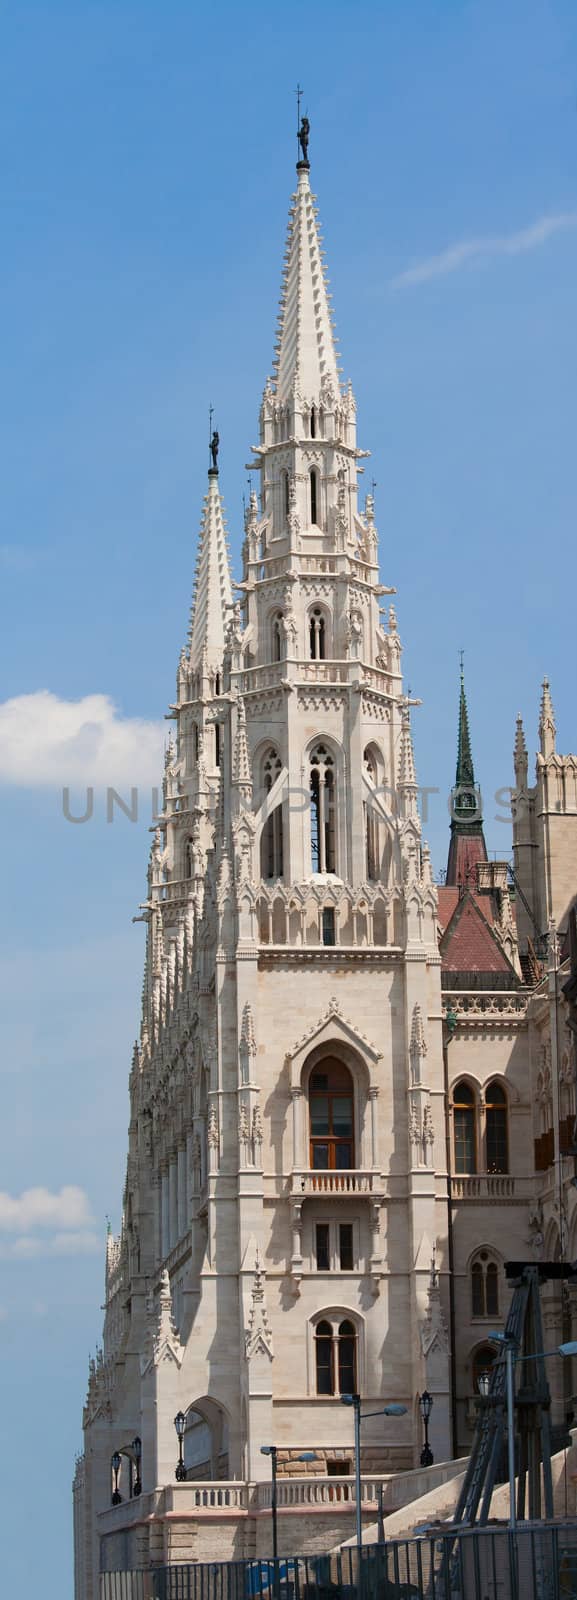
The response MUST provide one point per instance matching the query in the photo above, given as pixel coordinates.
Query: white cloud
(47, 741)
(66, 1210)
(509, 244)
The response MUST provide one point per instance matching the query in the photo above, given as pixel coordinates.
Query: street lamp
(136, 1448)
(426, 1406)
(116, 1465)
(509, 1345)
(272, 1451)
(180, 1425)
(392, 1410)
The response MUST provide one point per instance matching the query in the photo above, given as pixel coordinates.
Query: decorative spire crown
(305, 357)
(465, 776)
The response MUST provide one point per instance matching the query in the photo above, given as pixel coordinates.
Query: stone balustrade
(344, 1183)
(487, 1186)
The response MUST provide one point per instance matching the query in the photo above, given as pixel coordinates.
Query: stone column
(182, 1204)
(164, 1212)
(173, 1201)
(299, 1158)
(373, 1097)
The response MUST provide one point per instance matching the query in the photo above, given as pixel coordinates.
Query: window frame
(344, 1326)
(471, 1107)
(332, 1140)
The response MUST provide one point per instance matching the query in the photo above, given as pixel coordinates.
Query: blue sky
(148, 158)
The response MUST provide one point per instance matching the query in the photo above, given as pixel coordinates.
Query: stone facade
(291, 1230)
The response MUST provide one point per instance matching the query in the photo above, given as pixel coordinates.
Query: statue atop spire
(303, 138)
(214, 444)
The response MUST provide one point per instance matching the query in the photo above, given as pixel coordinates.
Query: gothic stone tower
(285, 1213)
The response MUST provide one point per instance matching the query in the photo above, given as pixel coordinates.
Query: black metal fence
(538, 1562)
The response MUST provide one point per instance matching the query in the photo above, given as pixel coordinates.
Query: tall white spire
(212, 598)
(305, 356)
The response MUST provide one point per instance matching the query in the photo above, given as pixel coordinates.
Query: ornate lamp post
(116, 1465)
(425, 1407)
(180, 1425)
(137, 1451)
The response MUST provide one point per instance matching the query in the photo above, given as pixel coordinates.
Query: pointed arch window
(313, 423)
(277, 636)
(313, 482)
(323, 810)
(496, 1131)
(371, 821)
(285, 490)
(331, 1112)
(317, 635)
(464, 1128)
(336, 1361)
(484, 1286)
(271, 845)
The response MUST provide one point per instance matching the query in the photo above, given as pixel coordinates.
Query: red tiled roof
(468, 943)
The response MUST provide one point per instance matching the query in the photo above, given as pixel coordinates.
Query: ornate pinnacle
(407, 775)
(520, 759)
(547, 728)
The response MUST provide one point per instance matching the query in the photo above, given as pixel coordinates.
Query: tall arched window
(323, 806)
(497, 1143)
(484, 1286)
(313, 423)
(271, 844)
(336, 1356)
(331, 1111)
(313, 493)
(464, 1128)
(271, 767)
(277, 636)
(317, 635)
(371, 821)
(324, 1358)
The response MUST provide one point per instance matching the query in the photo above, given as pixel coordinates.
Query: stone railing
(208, 1495)
(314, 1491)
(323, 671)
(491, 1186)
(469, 1005)
(343, 1184)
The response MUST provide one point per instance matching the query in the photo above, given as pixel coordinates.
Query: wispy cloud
(467, 250)
(49, 1223)
(48, 741)
(43, 1208)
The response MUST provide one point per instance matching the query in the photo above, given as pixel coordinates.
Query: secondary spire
(212, 598)
(467, 845)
